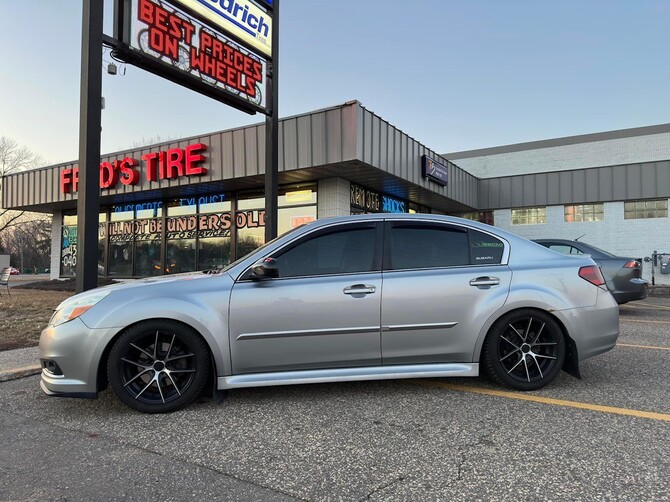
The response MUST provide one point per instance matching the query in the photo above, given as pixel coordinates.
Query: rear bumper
(594, 329)
(636, 290)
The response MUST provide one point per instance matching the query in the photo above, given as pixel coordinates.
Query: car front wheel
(524, 350)
(158, 366)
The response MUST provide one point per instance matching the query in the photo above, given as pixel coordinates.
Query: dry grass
(25, 314)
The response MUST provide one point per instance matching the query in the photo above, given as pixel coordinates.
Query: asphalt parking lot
(606, 437)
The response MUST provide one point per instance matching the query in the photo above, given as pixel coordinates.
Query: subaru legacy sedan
(365, 297)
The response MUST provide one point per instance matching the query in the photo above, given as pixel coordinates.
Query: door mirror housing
(265, 269)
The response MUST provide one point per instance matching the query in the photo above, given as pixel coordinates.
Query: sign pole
(272, 135)
(90, 110)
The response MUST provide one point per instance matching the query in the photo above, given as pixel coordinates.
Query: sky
(453, 74)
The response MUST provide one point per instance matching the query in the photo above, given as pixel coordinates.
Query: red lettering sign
(170, 164)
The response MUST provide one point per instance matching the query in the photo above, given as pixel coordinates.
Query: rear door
(441, 283)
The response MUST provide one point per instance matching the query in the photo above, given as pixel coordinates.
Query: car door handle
(485, 281)
(359, 289)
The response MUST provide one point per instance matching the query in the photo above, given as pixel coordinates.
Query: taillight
(592, 274)
(632, 264)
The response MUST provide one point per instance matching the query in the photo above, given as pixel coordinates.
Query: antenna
(579, 237)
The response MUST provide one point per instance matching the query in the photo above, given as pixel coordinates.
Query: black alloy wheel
(524, 350)
(158, 366)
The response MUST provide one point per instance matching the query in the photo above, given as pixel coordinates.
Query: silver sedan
(364, 297)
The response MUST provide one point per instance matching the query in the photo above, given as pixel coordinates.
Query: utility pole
(90, 111)
(272, 135)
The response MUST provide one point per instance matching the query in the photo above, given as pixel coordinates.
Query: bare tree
(14, 158)
(29, 243)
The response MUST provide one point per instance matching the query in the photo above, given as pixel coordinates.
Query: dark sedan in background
(623, 275)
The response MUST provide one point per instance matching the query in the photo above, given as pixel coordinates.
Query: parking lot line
(648, 306)
(640, 320)
(642, 346)
(548, 400)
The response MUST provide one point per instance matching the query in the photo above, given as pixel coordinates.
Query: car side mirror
(265, 269)
(647, 259)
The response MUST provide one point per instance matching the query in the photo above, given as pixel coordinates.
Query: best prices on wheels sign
(240, 18)
(188, 45)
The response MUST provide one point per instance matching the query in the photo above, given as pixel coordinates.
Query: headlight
(76, 306)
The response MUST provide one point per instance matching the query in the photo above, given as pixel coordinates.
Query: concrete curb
(15, 373)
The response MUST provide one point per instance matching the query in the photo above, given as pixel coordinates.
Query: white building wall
(634, 238)
(631, 150)
(334, 198)
(56, 235)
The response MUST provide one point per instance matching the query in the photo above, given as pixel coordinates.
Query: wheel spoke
(182, 371)
(544, 343)
(538, 334)
(158, 384)
(517, 333)
(517, 348)
(135, 363)
(178, 357)
(173, 383)
(526, 365)
(537, 364)
(146, 387)
(156, 347)
(170, 347)
(136, 377)
(143, 351)
(517, 364)
(525, 336)
(505, 357)
(544, 357)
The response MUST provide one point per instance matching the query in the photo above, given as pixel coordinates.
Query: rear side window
(426, 246)
(485, 249)
(565, 249)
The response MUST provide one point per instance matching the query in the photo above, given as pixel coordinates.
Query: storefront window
(184, 206)
(121, 258)
(213, 252)
(213, 204)
(292, 217)
(180, 256)
(69, 240)
(122, 213)
(148, 256)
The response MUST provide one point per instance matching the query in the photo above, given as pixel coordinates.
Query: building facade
(608, 189)
(198, 203)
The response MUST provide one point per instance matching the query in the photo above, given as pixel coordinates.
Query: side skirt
(349, 375)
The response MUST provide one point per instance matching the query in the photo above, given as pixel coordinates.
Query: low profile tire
(524, 350)
(158, 366)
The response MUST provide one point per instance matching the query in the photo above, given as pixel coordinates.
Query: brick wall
(635, 238)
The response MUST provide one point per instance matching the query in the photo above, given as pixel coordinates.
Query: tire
(524, 350)
(158, 366)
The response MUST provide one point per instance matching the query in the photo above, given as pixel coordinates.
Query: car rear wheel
(524, 350)
(158, 366)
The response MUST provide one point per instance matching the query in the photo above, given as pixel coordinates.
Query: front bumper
(76, 350)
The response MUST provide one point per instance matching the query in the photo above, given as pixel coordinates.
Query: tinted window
(340, 252)
(413, 246)
(485, 249)
(565, 249)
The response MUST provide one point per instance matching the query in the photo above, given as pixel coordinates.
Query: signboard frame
(435, 171)
(125, 50)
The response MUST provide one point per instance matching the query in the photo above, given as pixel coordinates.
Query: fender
(205, 319)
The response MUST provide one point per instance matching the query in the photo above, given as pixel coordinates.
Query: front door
(323, 311)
